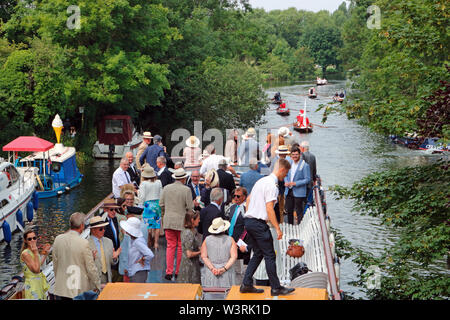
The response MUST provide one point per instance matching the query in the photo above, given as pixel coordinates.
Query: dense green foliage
(414, 201)
(398, 65)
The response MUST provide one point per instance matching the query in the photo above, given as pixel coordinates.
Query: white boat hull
(101, 151)
(18, 198)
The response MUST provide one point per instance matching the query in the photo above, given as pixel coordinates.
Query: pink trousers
(173, 238)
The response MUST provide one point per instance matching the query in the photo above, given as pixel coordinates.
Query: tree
(414, 201)
(323, 42)
(114, 55)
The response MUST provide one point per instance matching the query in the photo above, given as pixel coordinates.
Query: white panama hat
(218, 225)
(132, 226)
(179, 174)
(283, 131)
(193, 142)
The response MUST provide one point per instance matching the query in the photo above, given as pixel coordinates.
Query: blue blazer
(301, 179)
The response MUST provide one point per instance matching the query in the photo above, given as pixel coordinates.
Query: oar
(318, 125)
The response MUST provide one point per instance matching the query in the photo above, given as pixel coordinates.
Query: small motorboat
(56, 163)
(338, 99)
(17, 197)
(413, 141)
(116, 136)
(321, 82)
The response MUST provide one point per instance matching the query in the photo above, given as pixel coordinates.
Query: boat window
(113, 126)
(56, 166)
(12, 174)
(3, 203)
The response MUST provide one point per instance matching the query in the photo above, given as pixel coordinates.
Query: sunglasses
(33, 238)
(237, 196)
(101, 228)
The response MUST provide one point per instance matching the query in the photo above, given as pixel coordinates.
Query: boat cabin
(115, 129)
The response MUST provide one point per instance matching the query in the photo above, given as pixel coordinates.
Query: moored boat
(413, 141)
(57, 167)
(116, 136)
(321, 82)
(17, 198)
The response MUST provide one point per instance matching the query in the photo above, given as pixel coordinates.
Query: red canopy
(26, 143)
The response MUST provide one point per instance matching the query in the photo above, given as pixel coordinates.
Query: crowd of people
(216, 232)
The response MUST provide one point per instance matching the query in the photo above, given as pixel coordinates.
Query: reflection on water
(344, 154)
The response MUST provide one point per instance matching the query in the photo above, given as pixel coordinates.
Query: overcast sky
(310, 5)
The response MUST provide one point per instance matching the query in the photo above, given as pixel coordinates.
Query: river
(344, 154)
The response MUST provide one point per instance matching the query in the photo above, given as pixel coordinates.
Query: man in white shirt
(260, 206)
(120, 177)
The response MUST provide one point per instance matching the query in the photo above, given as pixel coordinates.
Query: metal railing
(332, 279)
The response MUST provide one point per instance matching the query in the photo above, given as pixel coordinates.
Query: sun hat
(97, 222)
(282, 150)
(147, 135)
(283, 131)
(132, 226)
(157, 138)
(179, 174)
(193, 142)
(148, 172)
(213, 177)
(249, 133)
(110, 204)
(134, 210)
(218, 225)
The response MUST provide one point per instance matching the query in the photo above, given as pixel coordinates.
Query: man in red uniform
(300, 119)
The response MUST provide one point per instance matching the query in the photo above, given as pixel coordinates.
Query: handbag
(295, 249)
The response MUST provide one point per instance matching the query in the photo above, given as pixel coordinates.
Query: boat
(321, 82)
(338, 99)
(18, 198)
(57, 167)
(116, 136)
(320, 282)
(283, 111)
(312, 93)
(413, 141)
(304, 126)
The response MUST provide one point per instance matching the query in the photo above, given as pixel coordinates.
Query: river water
(344, 154)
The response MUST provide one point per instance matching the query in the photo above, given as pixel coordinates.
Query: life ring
(30, 211)
(6, 231)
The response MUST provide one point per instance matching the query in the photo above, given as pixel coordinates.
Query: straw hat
(283, 131)
(213, 177)
(132, 226)
(251, 132)
(97, 222)
(148, 172)
(282, 150)
(110, 204)
(147, 135)
(218, 225)
(193, 142)
(179, 174)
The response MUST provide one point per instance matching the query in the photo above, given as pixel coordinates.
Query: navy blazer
(226, 180)
(238, 230)
(166, 177)
(207, 215)
(109, 233)
(301, 178)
